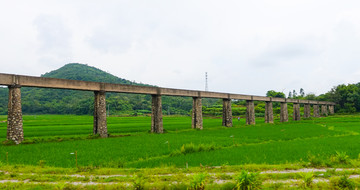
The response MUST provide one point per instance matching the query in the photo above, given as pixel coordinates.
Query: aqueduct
(15, 123)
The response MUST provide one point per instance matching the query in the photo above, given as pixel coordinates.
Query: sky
(246, 47)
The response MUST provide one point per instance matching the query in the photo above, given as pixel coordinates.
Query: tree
(302, 92)
(273, 93)
(290, 94)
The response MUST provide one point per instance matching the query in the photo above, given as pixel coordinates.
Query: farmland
(52, 140)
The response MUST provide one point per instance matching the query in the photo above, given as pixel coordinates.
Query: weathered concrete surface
(284, 114)
(29, 81)
(324, 110)
(197, 120)
(156, 115)
(269, 115)
(316, 110)
(307, 110)
(250, 112)
(15, 123)
(227, 113)
(100, 124)
(331, 110)
(296, 112)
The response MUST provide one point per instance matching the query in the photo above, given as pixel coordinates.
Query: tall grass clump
(247, 181)
(340, 158)
(191, 148)
(307, 179)
(342, 183)
(198, 181)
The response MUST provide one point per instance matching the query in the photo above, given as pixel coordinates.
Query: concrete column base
(331, 110)
(15, 130)
(316, 110)
(307, 110)
(100, 124)
(269, 116)
(250, 112)
(324, 110)
(197, 120)
(284, 114)
(156, 115)
(227, 113)
(296, 112)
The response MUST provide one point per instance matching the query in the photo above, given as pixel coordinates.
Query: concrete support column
(227, 113)
(324, 111)
(269, 116)
(156, 115)
(331, 109)
(307, 110)
(284, 115)
(15, 123)
(100, 124)
(197, 120)
(250, 112)
(316, 110)
(296, 112)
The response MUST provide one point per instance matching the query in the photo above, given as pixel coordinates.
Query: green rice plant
(340, 158)
(342, 183)
(307, 179)
(247, 181)
(138, 182)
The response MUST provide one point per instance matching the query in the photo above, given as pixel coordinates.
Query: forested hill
(76, 71)
(58, 101)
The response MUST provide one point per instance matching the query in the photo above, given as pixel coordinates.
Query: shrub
(315, 161)
(340, 158)
(342, 183)
(246, 180)
(198, 181)
(307, 179)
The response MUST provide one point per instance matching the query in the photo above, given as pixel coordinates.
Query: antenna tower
(206, 82)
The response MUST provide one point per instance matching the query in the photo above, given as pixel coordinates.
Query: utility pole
(206, 82)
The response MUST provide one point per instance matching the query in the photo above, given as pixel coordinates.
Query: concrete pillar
(307, 110)
(324, 111)
(331, 109)
(100, 125)
(284, 115)
(227, 113)
(316, 110)
(269, 116)
(296, 112)
(15, 123)
(250, 112)
(197, 120)
(156, 115)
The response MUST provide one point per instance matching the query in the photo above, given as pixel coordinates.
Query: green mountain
(59, 101)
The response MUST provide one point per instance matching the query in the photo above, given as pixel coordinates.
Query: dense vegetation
(58, 101)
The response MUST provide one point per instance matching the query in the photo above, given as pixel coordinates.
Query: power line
(206, 82)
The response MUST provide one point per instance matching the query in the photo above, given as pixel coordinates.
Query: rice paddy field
(60, 151)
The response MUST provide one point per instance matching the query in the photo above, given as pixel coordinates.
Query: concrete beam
(284, 114)
(197, 120)
(316, 110)
(269, 116)
(296, 112)
(156, 115)
(15, 130)
(100, 123)
(42, 82)
(250, 112)
(227, 113)
(307, 110)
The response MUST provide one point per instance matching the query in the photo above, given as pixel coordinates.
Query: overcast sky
(247, 47)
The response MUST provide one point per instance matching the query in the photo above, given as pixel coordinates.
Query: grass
(194, 159)
(277, 143)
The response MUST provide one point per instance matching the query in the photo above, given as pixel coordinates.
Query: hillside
(58, 101)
